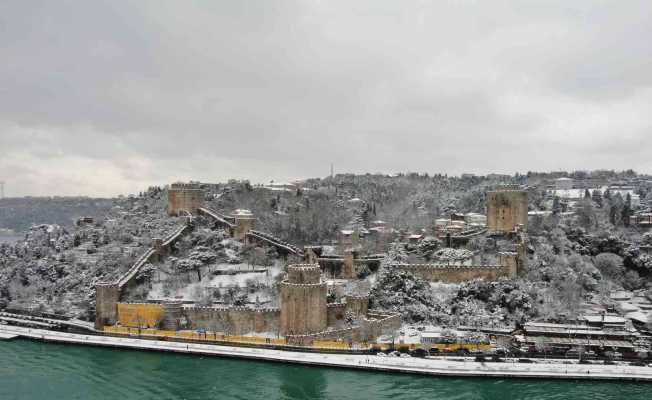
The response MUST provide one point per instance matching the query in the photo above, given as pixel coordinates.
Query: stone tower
(184, 197)
(506, 209)
(107, 296)
(244, 222)
(303, 300)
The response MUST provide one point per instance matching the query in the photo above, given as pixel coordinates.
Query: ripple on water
(32, 370)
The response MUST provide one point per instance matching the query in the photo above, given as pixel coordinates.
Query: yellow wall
(143, 315)
(208, 336)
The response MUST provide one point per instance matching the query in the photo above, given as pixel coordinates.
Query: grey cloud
(152, 91)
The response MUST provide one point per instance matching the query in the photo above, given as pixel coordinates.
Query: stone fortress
(304, 315)
(507, 213)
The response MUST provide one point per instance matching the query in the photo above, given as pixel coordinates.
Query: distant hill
(19, 213)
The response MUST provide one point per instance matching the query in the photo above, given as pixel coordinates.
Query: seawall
(421, 366)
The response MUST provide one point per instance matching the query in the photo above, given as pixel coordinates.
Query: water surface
(34, 370)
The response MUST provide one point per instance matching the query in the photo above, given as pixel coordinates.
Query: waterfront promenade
(435, 367)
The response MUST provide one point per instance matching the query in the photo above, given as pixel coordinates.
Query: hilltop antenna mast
(331, 170)
(2, 189)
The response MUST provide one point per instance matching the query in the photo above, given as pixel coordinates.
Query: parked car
(501, 351)
(421, 353)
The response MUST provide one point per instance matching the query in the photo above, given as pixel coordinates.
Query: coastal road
(412, 365)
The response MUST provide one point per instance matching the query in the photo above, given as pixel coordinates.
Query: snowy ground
(238, 276)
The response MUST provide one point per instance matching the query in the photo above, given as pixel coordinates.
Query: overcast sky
(108, 97)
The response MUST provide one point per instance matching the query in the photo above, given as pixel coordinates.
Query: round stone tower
(303, 300)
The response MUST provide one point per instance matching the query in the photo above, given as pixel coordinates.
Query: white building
(564, 183)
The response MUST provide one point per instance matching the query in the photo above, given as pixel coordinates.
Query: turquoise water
(34, 370)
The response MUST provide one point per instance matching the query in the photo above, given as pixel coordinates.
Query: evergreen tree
(616, 210)
(556, 206)
(597, 197)
(627, 210)
(607, 194)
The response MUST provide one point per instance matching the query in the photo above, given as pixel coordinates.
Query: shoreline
(412, 365)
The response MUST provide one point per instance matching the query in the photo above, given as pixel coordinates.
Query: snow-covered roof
(539, 212)
(627, 307)
(279, 184)
(621, 295)
(608, 319)
(425, 335)
(242, 212)
(639, 316)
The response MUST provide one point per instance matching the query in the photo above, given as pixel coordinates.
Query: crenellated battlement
(185, 186)
(232, 308)
(184, 198)
(459, 273)
(446, 266)
(306, 285)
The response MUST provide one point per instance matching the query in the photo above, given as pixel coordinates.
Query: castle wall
(172, 316)
(358, 305)
(506, 209)
(140, 315)
(184, 197)
(375, 325)
(510, 262)
(457, 274)
(233, 320)
(106, 299)
(335, 314)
